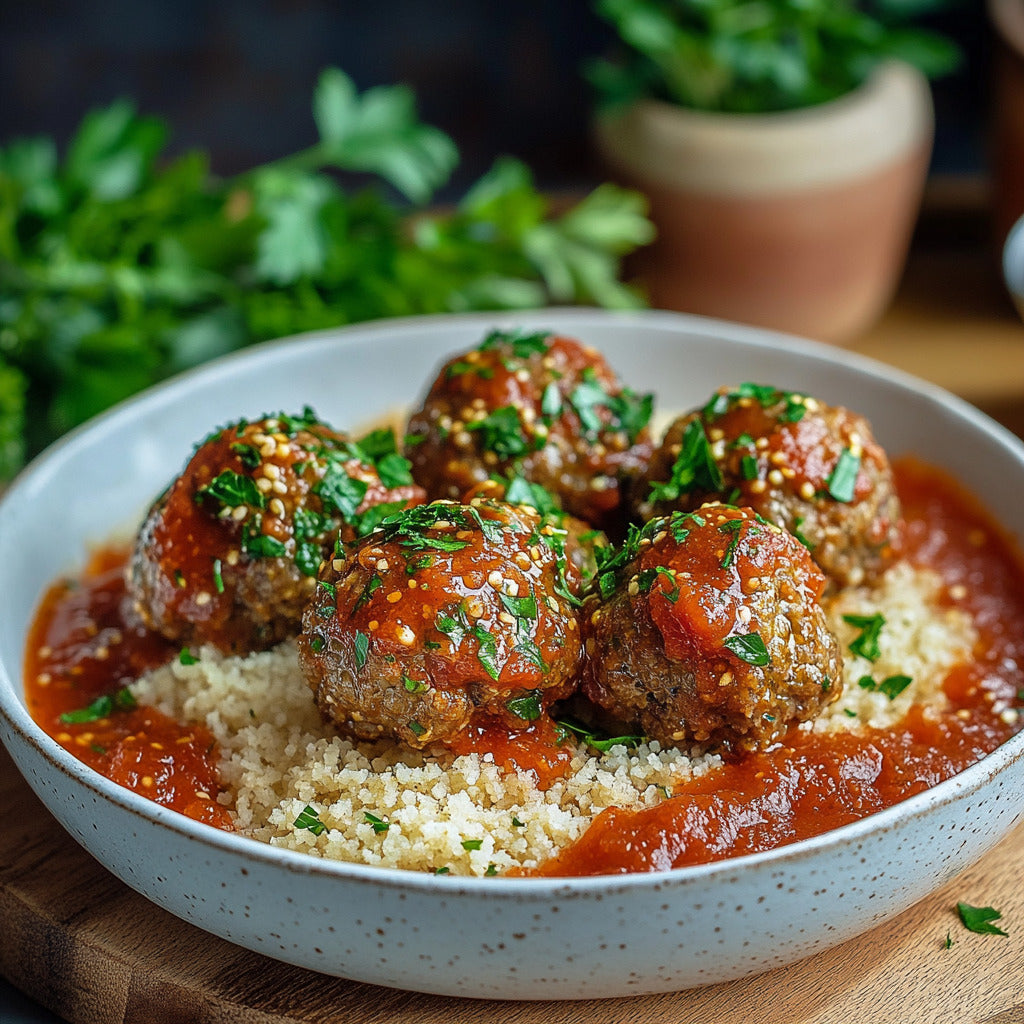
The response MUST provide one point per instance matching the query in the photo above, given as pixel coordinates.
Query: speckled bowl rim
(15, 715)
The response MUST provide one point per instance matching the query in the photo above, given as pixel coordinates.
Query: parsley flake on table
(979, 919)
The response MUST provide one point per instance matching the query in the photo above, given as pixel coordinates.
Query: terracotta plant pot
(798, 220)
(1007, 123)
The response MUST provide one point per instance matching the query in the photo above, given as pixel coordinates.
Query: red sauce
(535, 749)
(809, 784)
(82, 646)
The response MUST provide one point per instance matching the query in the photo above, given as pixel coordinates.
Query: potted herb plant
(783, 146)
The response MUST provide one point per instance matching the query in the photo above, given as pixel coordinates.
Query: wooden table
(83, 944)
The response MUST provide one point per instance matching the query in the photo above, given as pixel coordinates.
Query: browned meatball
(707, 628)
(814, 469)
(446, 615)
(538, 406)
(228, 555)
(581, 540)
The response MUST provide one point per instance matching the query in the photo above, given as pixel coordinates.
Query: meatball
(538, 406)
(228, 555)
(706, 627)
(814, 469)
(446, 615)
(581, 540)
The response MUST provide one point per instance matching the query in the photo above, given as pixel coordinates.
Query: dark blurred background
(236, 77)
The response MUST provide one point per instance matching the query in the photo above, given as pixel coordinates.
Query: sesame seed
(474, 607)
(507, 618)
(276, 507)
(958, 591)
(758, 486)
(264, 484)
(203, 598)
(405, 635)
(495, 578)
(807, 490)
(271, 470)
(394, 597)
(725, 679)
(775, 477)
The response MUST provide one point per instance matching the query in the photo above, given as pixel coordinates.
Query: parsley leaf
(979, 919)
(694, 469)
(870, 626)
(748, 647)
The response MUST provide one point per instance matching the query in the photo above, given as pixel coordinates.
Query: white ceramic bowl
(493, 937)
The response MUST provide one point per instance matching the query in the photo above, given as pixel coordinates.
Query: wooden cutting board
(92, 950)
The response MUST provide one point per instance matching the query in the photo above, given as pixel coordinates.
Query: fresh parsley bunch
(119, 267)
(754, 56)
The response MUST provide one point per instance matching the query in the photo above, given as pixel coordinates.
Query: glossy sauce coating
(541, 406)
(812, 783)
(713, 631)
(446, 612)
(228, 555)
(798, 788)
(82, 648)
(814, 469)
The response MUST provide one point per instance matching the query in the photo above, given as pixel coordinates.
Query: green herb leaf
(842, 481)
(866, 643)
(748, 647)
(101, 707)
(979, 919)
(361, 645)
(694, 469)
(527, 707)
(229, 490)
(379, 825)
(309, 820)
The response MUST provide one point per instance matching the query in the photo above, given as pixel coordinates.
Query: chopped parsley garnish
(627, 410)
(218, 578)
(523, 344)
(248, 454)
(733, 527)
(694, 469)
(843, 479)
(456, 627)
(341, 492)
(416, 728)
(231, 489)
(101, 707)
(798, 533)
(373, 584)
(748, 467)
(502, 432)
(765, 395)
(186, 657)
(520, 607)
(361, 643)
(526, 707)
(979, 919)
(472, 844)
(379, 825)
(570, 727)
(748, 647)
(516, 823)
(309, 820)
(866, 644)
(257, 544)
(413, 685)
(551, 400)
(890, 686)
(524, 492)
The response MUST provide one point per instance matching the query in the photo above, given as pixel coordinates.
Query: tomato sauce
(82, 646)
(82, 651)
(811, 783)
